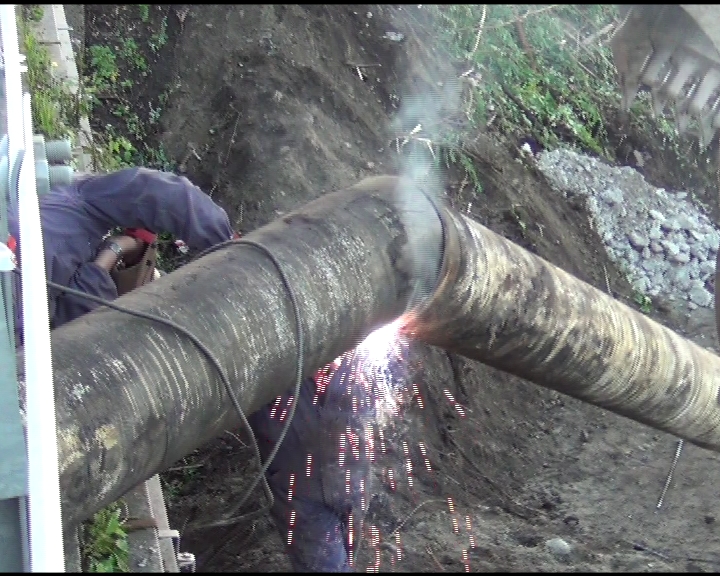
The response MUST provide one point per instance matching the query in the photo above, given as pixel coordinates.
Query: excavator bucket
(672, 50)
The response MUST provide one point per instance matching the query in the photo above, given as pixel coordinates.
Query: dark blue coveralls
(76, 217)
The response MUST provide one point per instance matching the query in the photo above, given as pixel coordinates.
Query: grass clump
(104, 546)
(54, 108)
(542, 72)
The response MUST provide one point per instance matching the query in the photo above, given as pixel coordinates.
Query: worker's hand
(131, 250)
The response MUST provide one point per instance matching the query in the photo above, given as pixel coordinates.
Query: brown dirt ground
(266, 98)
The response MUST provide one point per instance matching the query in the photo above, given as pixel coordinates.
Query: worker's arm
(157, 201)
(92, 278)
(130, 248)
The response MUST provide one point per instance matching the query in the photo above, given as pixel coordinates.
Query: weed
(122, 150)
(538, 73)
(160, 38)
(45, 114)
(144, 10)
(132, 120)
(104, 65)
(457, 155)
(33, 12)
(112, 151)
(177, 480)
(52, 105)
(163, 98)
(518, 219)
(157, 158)
(104, 542)
(130, 52)
(154, 114)
(643, 301)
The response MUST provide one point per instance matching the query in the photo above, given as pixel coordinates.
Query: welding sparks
(350, 404)
(454, 403)
(377, 361)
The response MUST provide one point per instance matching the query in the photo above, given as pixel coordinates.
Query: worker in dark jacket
(76, 219)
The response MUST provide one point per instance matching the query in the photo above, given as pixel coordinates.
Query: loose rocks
(666, 245)
(558, 547)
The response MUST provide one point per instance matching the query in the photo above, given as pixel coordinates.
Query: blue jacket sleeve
(89, 279)
(157, 201)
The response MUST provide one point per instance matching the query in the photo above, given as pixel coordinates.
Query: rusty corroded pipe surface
(510, 309)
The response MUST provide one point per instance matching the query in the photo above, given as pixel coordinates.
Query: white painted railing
(45, 523)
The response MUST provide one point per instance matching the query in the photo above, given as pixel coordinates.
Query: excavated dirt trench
(264, 109)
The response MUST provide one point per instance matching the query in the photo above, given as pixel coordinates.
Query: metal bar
(46, 536)
(668, 478)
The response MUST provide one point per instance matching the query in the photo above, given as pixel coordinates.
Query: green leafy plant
(33, 12)
(52, 105)
(104, 66)
(104, 542)
(177, 480)
(643, 301)
(123, 150)
(159, 38)
(144, 10)
(539, 71)
(130, 52)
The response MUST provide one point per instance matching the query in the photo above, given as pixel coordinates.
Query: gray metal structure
(14, 554)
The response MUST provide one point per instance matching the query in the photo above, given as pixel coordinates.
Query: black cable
(300, 340)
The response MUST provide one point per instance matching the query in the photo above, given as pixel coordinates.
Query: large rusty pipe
(135, 396)
(510, 309)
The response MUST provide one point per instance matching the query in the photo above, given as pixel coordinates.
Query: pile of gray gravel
(663, 242)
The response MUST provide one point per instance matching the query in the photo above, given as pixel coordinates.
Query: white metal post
(46, 536)
(44, 508)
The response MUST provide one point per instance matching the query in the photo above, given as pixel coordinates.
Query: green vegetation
(543, 72)
(144, 10)
(106, 85)
(540, 70)
(104, 544)
(53, 107)
(177, 480)
(643, 301)
(160, 38)
(111, 75)
(130, 51)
